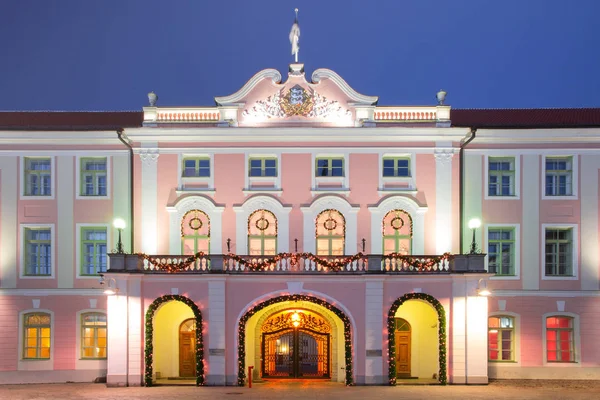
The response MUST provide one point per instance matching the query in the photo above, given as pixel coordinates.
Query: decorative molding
(149, 157)
(443, 157)
(269, 73)
(324, 73)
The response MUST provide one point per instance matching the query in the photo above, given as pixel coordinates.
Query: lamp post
(474, 223)
(119, 224)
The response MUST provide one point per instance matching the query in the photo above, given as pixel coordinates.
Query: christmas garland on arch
(335, 266)
(420, 263)
(294, 297)
(149, 348)
(173, 267)
(391, 326)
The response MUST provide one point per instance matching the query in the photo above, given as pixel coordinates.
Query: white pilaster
(121, 198)
(443, 199)
(590, 167)
(8, 221)
(117, 316)
(65, 193)
(149, 234)
(458, 315)
(477, 320)
(136, 324)
(216, 332)
(374, 326)
(530, 245)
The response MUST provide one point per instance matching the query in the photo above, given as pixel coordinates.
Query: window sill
(505, 277)
(559, 278)
(91, 197)
(251, 191)
(317, 191)
(567, 197)
(384, 192)
(195, 179)
(207, 191)
(511, 197)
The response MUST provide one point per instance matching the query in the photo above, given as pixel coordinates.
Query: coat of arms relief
(297, 101)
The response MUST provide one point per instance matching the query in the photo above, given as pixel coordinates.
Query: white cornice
(544, 293)
(537, 136)
(59, 137)
(52, 292)
(342, 84)
(273, 74)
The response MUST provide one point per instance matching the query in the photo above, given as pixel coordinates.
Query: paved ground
(587, 390)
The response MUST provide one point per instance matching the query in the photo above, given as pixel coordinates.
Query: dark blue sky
(106, 55)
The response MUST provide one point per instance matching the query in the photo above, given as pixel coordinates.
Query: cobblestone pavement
(310, 390)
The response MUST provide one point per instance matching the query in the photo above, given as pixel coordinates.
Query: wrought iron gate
(295, 353)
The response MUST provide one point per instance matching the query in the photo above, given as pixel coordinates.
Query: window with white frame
(196, 167)
(262, 167)
(37, 336)
(330, 233)
(93, 250)
(558, 251)
(262, 233)
(396, 167)
(559, 339)
(93, 175)
(501, 337)
(38, 176)
(38, 251)
(501, 250)
(559, 176)
(93, 335)
(397, 233)
(329, 166)
(195, 233)
(501, 176)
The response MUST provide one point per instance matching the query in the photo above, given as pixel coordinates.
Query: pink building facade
(299, 228)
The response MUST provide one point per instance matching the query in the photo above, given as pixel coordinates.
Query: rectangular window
(93, 250)
(93, 335)
(196, 167)
(396, 167)
(264, 166)
(501, 333)
(501, 176)
(93, 177)
(38, 173)
(559, 251)
(559, 176)
(501, 251)
(559, 339)
(329, 166)
(36, 336)
(38, 251)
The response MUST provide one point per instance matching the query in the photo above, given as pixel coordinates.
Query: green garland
(173, 267)
(335, 266)
(293, 297)
(150, 331)
(441, 334)
(420, 263)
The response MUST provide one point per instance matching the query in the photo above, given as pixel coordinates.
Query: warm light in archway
(295, 319)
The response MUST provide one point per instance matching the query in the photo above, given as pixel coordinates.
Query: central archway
(349, 380)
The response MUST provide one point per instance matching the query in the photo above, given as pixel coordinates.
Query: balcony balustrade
(297, 263)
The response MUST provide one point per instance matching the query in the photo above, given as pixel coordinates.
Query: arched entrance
(166, 319)
(295, 343)
(424, 318)
(316, 343)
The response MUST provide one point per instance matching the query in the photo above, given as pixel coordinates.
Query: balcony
(297, 264)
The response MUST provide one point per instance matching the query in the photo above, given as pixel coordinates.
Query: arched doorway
(295, 343)
(187, 348)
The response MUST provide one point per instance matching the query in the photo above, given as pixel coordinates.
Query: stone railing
(404, 114)
(188, 115)
(297, 263)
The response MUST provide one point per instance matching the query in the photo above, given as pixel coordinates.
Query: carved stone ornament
(296, 102)
(443, 157)
(149, 156)
(296, 319)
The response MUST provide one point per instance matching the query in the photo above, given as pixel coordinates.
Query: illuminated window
(93, 250)
(262, 233)
(195, 233)
(396, 167)
(38, 251)
(36, 336)
(559, 176)
(330, 233)
(329, 166)
(501, 176)
(397, 232)
(93, 335)
(559, 252)
(93, 177)
(501, 334)
(559, 339)
(262, 166)
(501, 251)
(38, 172)
(196, 167)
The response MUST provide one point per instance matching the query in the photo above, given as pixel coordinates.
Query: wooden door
(403, 348)
(187, 354)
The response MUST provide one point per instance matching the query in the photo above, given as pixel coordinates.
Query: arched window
(195, 233)
(262, 233)
(330, 233)
(37, 336)
(397, 232)
(93, 335)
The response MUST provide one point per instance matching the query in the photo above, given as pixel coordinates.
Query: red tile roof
(526, 118)
(69, 120)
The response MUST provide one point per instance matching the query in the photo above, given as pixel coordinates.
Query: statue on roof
(295, 37)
